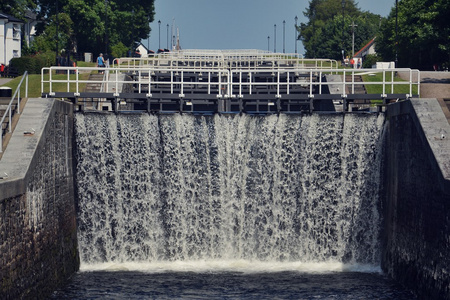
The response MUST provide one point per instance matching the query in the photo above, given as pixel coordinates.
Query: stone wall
(38, 246)
(417, 208)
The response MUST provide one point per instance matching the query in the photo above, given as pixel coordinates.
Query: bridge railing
(227, 83)
(223, 59)
(9, 111)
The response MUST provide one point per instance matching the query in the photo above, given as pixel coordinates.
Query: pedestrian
(359, 63)
(100, 62)
(2, 70)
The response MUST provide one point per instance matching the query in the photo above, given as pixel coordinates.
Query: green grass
(34, 84)
(86, 64)
(378, 88)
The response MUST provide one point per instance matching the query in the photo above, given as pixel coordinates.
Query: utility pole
(353, 37)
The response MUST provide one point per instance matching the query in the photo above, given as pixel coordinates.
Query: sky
(236, 24)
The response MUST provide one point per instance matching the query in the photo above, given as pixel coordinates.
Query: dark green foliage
(16, 8)
(370, 60)
(423, 34)
(100, 24)
(32, 64)
(329, 29)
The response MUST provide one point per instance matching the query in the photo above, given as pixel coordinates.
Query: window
(16, 32)
(15, 53)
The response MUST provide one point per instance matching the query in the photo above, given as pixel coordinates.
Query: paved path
(4, 80)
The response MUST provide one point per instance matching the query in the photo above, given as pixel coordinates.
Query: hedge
(32, 64)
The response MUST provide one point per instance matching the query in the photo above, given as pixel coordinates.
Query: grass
(378, 88)
(34, 84)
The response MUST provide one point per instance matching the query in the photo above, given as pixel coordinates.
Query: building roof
(366, 47)
(9, 18)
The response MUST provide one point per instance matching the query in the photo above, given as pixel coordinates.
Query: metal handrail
(9, 108)
(225, 75)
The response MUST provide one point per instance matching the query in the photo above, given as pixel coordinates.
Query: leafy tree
(100, 24)
(422, 37)
(57, 34)
(16, 8)
(329, 30)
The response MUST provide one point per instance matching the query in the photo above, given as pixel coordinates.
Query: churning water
(176, 194)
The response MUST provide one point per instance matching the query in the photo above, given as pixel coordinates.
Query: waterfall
(275, 188)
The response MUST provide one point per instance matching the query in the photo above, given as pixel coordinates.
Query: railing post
(26, 85)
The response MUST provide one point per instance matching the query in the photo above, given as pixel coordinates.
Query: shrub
(32, 64)
(370, 60)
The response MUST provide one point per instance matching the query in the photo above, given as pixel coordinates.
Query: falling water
(227, 188)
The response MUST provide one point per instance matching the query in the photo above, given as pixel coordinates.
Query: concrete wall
(38, 246)
(417, 209)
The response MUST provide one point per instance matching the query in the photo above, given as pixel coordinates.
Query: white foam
(241, 266)
(229, 193)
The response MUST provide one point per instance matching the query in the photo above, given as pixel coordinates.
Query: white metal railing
(229, 80)
(8, 112)
(268, 62)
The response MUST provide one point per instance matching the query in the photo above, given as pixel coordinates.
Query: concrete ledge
(18, 156)
(433, 129)
(436, 130)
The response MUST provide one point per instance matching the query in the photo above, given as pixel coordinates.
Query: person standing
(100, 62)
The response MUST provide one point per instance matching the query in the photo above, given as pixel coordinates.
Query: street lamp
(343, 26)
(296, 33)
(159, 34)
(275, 38)
(284, 36)
(396, 33)
(268, 43)
(167, 36)
(106, 28)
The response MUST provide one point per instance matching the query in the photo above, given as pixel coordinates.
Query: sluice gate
(221, 81)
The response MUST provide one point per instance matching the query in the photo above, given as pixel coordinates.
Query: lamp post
(159, 34)
(275, 38)
(284, 36)
(268, 43)
(106, 28)
(167, 33)
(343, 26)
(396, 33)
(296, 33)
(57, 33)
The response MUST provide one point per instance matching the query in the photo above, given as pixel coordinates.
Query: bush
(32, 64)
(370, 60)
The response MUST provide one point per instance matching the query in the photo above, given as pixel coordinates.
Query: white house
(30, 27)
(144, 51)
(10, 38)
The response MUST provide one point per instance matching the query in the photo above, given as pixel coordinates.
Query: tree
(100, 24)
(329, 30)
(422, 36)
(16, 8)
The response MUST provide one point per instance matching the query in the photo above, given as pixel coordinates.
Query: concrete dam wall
(417, 203)
(38, 245)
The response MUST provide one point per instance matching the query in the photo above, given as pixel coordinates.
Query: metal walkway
(224, 81)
